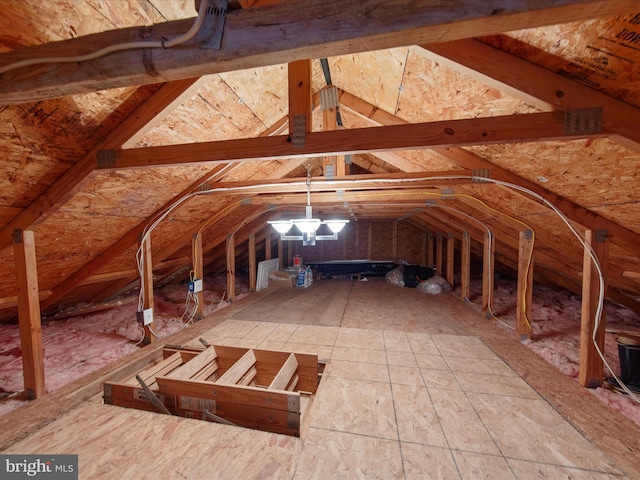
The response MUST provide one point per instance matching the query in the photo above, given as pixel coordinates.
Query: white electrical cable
(525, 190)
(116, 48)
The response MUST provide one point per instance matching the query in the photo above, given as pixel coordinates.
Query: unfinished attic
(150, 148)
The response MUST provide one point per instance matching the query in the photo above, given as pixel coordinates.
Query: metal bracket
(446, 193)
(17, 235)
(528, 234)
(582, 121)
(329, 97)
(299, 130)
(210, 33)
(106, 158)
(329, 172)
(480, 175)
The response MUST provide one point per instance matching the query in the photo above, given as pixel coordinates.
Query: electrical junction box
(195, 286)
(145, 317)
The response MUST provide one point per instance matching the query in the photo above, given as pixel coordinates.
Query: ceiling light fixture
(308, 226)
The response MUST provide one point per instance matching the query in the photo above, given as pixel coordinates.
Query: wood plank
(439, 254)
(195, 365)
(281, 33)
(285, 374)
(534, 84)
(231, 268)
(68, 183)
(447, 133)
(238, 394)
(621, 235)
(488, 261)
(253, 265)
(146, 287)
(198, 272)
(524, 285)
(465, 267)
(163, 367)
(450, 259)
(592, 329)
(24, 254)
(300, 93)
(233, 375)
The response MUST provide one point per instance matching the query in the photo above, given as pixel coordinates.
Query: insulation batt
(79, 345)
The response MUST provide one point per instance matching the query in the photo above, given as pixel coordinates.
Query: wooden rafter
(476, 131)
(535, 84)
(280, 34)
(621, 236)
(71, 181)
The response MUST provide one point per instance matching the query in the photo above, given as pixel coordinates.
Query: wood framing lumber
(231, 267)
(198, 272)
(488, 264)
(534, 84)
(465, 267)
(253, 264)
(191, 368)
(621, 235)
(300, 94)
(592, 328)
(234, 374)
(524, 285)
(69, 182)
(285, 374)
(278, 34)
(146, 288)
(450, 259)
(24, 253)
(464, 132)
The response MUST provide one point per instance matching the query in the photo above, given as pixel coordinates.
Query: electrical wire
(588, 248)
(117, 47)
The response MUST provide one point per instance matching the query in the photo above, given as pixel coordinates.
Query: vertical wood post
(439, 253)
(423, 250)
(253, 266)
(147, 289)
(267, 245)
(395, 240)
(430, 248)
(487, 274)
(198, 271)
(281, 253)
(369, 240)
(450, 258)
(300, 95)
(591, 367)
(357, 240)
(231, 268)
(465, 267)
(24, 253)
(525, 285)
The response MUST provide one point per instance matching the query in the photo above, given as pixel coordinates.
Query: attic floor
(416, 386)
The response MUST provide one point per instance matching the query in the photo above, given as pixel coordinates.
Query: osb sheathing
(41, 141)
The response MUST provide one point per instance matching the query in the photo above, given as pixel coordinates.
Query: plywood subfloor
(416, 386)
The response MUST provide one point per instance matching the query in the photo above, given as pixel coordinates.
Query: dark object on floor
(414, 274)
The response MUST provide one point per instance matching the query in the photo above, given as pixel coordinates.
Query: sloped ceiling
(87, 221)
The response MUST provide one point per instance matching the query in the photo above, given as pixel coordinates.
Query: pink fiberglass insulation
(556, 333)
(79, 345)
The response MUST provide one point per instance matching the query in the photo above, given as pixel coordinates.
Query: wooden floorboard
(345, 317)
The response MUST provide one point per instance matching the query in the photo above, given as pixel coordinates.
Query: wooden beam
(488, 261)
(70, 181)
(465, 267)
(524, 285)
(231, 268)
(620, 235)
(300, 93)
(253, 265)
(534, 84)
(464, 132)
(592, 329)
(24, 254)
(450, 259)
(281, 33)
(198, 271)
(430, 249)
(439, 253)
(147, 288)
(267, 245)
